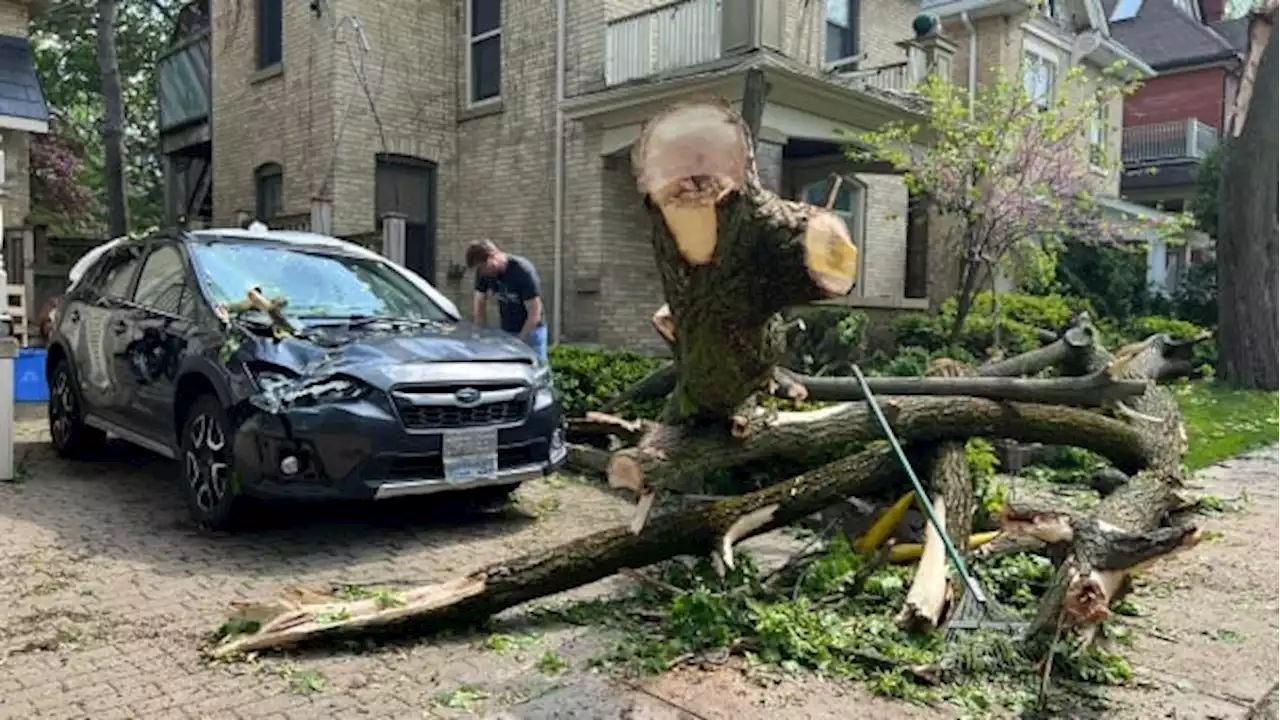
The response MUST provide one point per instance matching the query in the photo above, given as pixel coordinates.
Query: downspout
(973, 58)
(557, 270)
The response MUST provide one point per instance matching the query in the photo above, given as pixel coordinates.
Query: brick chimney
(1211, 10)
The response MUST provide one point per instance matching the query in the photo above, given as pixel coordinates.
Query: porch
(612, 285)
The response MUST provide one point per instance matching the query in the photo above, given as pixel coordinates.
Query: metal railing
(676, 35)
(1187, 139)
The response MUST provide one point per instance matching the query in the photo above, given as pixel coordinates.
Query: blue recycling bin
(29, 382)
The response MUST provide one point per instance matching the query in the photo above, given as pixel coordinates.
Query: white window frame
(471, 40)
(1041, 55)
(854, 219)
(1048, 9)
(4, 163)
(1100, 134)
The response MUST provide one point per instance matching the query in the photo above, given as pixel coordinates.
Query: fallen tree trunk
(675, 453)
(307, 616)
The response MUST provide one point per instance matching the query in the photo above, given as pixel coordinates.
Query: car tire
(70, 436)
(208, 481)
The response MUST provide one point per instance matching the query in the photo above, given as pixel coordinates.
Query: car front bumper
(361, 450)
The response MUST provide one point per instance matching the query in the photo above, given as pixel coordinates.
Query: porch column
(8, 351)
(393, 236)
(242, 218)
(769, 163)
(321, 216)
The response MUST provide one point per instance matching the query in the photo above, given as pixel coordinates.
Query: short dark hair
(479, 251)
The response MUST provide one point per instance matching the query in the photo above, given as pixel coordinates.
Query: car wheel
(213, 495)
(71, 437)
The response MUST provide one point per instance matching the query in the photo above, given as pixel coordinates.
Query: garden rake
(976, 610)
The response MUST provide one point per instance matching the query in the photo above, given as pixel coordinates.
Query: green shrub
(833, 338)
(1020, 317)
(586, 377)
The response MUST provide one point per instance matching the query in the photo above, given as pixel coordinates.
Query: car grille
(435, 409)
(436, 417)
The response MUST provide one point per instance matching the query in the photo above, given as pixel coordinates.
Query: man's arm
(533, 307)
(479, 304)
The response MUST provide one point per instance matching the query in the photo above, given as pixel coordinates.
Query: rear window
(316, 282)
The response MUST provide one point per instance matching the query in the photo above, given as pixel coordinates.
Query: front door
(407, 185)
(159, 327)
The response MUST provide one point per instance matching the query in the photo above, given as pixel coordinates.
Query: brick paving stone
(109, 592)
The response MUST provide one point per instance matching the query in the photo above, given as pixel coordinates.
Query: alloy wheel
(206, 462)
(62, 411)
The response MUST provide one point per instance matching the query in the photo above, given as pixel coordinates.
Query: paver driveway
(107, 591)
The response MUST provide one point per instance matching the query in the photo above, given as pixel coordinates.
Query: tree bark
(112, 120)
(1247, 250)
(731, 254)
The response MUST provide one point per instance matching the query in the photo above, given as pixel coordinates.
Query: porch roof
(1133, 211)
(802, 103)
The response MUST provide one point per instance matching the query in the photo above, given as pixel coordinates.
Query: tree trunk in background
(1247, 243)
(112, 120)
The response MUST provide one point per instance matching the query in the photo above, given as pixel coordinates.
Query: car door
(102, 320)
(159, 327)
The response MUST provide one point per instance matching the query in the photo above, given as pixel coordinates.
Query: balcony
(184, 83)
(1167, 142)
(669, 37)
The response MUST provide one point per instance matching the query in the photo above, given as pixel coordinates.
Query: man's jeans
(538, 341)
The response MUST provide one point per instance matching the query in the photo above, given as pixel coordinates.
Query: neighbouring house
(436, 122)
(22, 113)
(1175, 118)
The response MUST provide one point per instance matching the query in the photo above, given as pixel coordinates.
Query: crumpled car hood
(371, 354)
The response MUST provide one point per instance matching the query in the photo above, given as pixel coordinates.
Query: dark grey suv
(293, 365)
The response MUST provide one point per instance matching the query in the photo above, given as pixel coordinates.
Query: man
(514, 281)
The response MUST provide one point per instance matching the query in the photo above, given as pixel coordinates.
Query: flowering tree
(60, 195)
(1010, 174)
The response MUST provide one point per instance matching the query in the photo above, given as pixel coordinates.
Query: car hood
(383, 355)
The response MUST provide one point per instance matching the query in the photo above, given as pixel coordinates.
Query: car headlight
(542, 377)
(282, 390)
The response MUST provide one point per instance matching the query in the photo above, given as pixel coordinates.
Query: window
(1039, 78)
(318, 284)
(268, 182)
(1126, 10)
(162, 283)
(848, 206)
(842, 30)
(484, 50)
(270, 33)
(1099, 134)
(118, 268)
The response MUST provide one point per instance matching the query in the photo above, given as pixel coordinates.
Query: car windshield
(316, 282)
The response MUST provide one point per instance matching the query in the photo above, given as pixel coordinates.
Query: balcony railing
(898, 76)
(676, 35)
(184, 83)
(1186, 139)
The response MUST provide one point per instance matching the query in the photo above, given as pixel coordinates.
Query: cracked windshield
(315, 284)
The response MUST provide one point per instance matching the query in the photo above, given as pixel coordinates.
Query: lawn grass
(1222, 422)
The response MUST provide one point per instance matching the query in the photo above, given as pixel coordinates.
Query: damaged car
(290, 365)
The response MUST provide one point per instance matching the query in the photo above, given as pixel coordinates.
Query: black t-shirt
(514, 286)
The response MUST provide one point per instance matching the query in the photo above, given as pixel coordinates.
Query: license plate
(470, 455)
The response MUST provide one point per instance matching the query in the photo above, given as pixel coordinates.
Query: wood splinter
(929, 591)
(742, 527)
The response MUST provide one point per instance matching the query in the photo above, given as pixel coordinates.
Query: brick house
(449, 115)
(22, 113)
(1176, 117)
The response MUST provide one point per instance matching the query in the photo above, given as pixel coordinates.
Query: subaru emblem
(467, 396)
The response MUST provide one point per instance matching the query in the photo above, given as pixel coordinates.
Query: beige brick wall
(286, 117)
(14, 18)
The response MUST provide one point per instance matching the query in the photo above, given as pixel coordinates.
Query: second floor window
(270, 33)
(842, 30)
(1099, 134)
(484, 50)
(268, 181)
(1039, 78)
